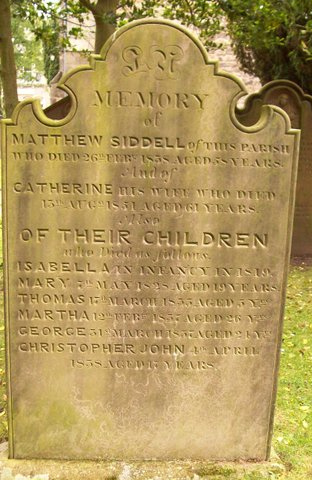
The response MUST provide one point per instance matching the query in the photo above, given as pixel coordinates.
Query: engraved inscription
(161, 61)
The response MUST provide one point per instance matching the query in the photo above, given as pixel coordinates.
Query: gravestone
(298, 106)
(147, 237)
(59, 109)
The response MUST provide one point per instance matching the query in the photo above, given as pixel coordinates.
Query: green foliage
(28, 52)
(216, 472)
(68, 15)
(45, 16)
(200, 14)
(51, 51)
(39, 34)
(272, 38)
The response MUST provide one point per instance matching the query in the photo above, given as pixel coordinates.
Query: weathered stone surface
(298, 106)
(152, 470)
(147, 240)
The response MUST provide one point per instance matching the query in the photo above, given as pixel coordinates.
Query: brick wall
(229, 63)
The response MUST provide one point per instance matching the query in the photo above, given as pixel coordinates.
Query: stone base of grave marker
(173, 470)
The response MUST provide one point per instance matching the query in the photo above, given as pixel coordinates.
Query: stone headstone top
(147, 237)
(298, 106)
(282, 93)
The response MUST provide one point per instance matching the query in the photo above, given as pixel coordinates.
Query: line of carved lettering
(139, 334)
(150, 207)
(151, 237)
(228, 240)
(154, 254)
(176, 318)
(145, 302)
(193, 287)
(104, 348)
(207, 318)
(153, 285)
(168, 174)
(149, 365)
(131, 349)
(63, 188)
(173, 207)
(127, 158)
(155, 207)
(186, 193)
(122, 317)
(83, 140)
(71, 140)
(133, 141)
(136, 172)
(122, 364)
(146, 270)
(145, 142)
(239, 162)
(181, 193)
(93, 157)
(83, 204)
(150, 100)
(136, 208)
(73, 267)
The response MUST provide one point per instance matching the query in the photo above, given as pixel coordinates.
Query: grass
(293, 420)
(292, 438)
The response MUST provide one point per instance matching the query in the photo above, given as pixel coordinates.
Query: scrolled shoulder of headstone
(284, 94)
(31, 109)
